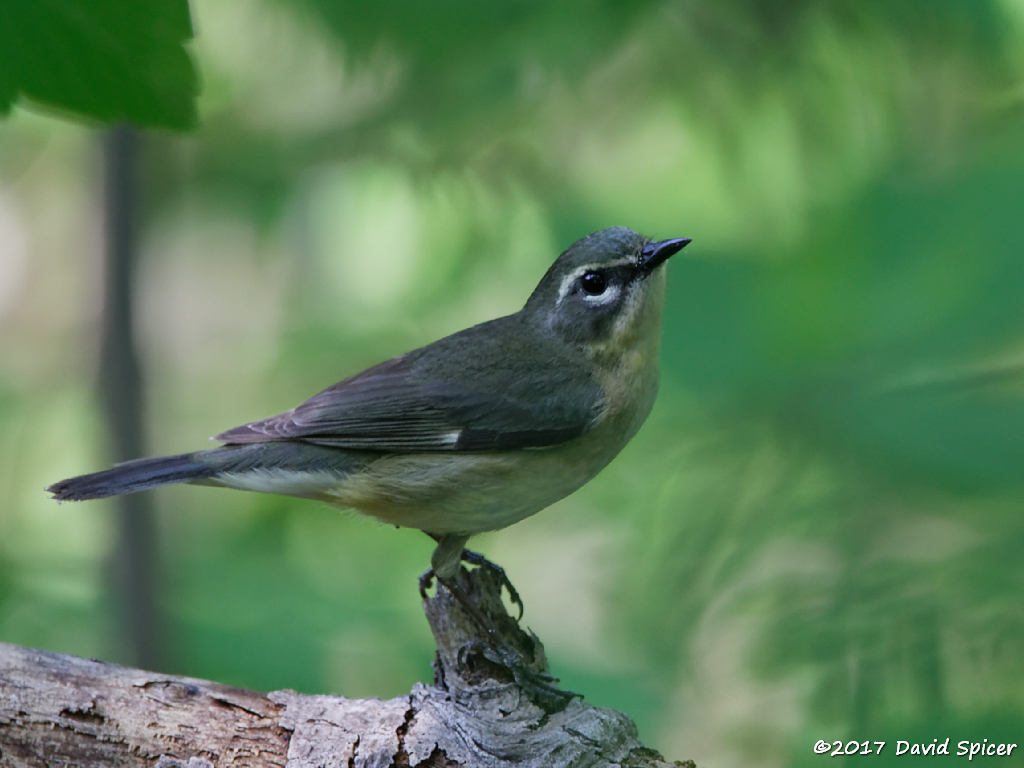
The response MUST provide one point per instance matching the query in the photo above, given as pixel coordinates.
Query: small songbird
(471, 433)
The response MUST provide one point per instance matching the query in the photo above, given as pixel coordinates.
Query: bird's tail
(132, 476)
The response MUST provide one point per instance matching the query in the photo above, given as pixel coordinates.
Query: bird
(471, 433)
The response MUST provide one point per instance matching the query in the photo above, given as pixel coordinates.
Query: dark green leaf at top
(105, 60)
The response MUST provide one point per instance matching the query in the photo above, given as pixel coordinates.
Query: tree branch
(63, 710)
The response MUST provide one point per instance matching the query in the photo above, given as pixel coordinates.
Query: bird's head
(605, 293)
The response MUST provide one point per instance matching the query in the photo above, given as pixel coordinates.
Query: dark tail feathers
(132, 476)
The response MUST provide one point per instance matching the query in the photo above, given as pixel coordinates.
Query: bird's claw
(475, 558)
(426, 582)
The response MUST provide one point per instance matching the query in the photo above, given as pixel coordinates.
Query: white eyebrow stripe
(569, 279)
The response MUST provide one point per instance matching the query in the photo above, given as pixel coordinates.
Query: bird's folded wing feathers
(394, 407)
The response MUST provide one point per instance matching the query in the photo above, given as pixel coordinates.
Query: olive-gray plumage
(473, 432)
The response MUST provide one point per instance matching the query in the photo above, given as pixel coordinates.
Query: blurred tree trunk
(121, 393)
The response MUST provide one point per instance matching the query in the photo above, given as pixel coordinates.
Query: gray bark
(58, 710)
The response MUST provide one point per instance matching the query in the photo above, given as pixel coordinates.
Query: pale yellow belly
(472, 492)
(461, 493)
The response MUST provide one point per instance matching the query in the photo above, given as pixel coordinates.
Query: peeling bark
(58, 710)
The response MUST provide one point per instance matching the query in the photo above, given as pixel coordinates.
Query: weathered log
(58, 710)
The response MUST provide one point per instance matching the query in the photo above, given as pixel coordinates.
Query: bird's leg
(475, 558)
(444, 563)
(444, 566)
(440, 562)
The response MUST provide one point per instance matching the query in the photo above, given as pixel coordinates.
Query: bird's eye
(593, 283)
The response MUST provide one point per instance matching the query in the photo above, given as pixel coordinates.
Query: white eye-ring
(592, 283)
(597, 289)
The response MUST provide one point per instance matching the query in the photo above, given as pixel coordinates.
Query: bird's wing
(396, 406)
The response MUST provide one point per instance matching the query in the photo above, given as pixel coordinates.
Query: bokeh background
(819, 534)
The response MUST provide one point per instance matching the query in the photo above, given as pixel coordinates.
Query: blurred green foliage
(819, 533)
(105, 60)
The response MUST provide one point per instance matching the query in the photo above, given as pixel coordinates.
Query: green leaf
(108, 60)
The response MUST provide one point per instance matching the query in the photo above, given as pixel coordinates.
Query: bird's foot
(426, 582)
(475, 558)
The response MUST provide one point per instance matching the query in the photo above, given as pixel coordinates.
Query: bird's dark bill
(654, 254)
